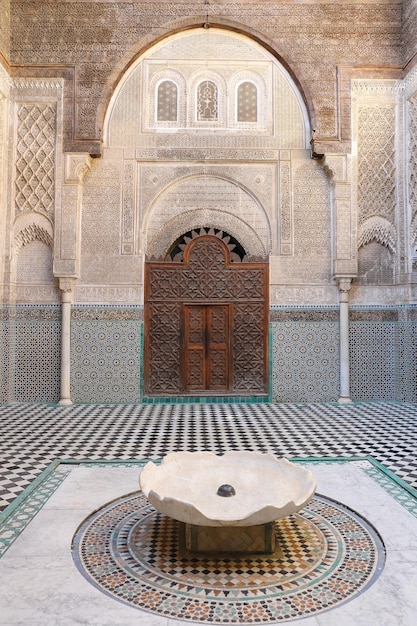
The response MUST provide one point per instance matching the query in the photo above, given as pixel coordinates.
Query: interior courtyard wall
(107, 326)
(96, 40)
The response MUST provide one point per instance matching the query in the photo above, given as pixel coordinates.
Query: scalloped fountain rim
(185, 487)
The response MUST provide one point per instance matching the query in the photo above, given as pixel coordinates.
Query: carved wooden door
(206, 351)
(206, 322)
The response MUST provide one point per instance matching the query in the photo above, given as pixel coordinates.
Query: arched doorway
(206, 319)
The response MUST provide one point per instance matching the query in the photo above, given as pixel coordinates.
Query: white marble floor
(41, 586)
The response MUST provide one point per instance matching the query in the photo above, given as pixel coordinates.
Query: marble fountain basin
(235, 489)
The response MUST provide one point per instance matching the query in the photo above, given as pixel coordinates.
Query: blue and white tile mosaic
(107, 355)
(36, 353)
(383, 361)
(5, 362)
(106, 360)
(305, 361)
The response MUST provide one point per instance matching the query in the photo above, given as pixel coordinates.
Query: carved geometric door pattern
(206, 320)
(206, 351)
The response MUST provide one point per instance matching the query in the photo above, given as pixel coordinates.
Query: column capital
(67, 283)
(344, 283)
(66, 286)
(77, 164)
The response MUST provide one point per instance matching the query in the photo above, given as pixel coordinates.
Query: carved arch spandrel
(206, 199)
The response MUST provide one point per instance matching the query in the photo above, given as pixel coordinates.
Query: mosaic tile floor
(84, 547)
(326, 556)
(31, 436)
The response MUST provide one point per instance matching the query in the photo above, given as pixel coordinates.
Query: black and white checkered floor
(32, 436)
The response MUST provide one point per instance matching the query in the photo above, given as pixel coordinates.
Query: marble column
(344, 288)
(66, 286)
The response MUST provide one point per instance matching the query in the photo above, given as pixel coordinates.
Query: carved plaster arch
(32, 227)
(377, 229)
(193, 220)
(234, 210)
(128, 65)
(33, 237)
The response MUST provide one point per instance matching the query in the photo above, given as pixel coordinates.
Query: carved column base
(65, 402)
(344, 400)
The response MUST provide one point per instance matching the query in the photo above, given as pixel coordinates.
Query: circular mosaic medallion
(326, 555)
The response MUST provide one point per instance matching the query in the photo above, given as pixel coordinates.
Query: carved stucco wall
(305, 275)
(157, 180)
(36, 141)
(208, 201)
(409, 30)
(126, 184)
(90, 44)
(188, 58)
(4, 105)
(411, 99)
(5, 28)
(376, 123)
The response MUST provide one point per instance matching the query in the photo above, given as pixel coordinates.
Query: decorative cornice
(381, 85)
(38, 90)
(38, 83)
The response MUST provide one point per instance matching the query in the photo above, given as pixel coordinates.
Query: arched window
(247, 102)
(207, 105)
(167, 108)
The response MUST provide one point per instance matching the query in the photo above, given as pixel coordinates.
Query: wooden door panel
(195, 373)
(217, 369)
(218, 347)
(195, 321)
(206, 347)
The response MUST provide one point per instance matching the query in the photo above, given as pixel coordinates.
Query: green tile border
(21, 511)
(15, 518)
(206, 399)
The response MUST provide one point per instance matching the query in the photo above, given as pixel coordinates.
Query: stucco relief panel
(37, 137)
(32, 272)
(209, 197)
(305, 261)
(375, 124)
(101, 214)
(312, 225)
(187, 61)
(96, 36)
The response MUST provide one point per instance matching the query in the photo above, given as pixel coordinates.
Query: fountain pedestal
(227, 503)
(259, 539)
